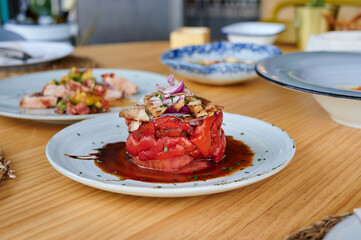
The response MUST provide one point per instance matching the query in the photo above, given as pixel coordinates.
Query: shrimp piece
(120, 84)
(37, 101)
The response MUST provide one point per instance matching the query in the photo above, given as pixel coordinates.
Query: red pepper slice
(136, 146)
(202, 137)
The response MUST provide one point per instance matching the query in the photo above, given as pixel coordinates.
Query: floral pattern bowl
(188, 61)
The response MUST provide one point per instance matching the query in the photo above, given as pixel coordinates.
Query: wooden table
(324, 177)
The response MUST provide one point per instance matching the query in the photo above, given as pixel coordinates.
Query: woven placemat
(5, 171)
(64, 63)
(319, 229)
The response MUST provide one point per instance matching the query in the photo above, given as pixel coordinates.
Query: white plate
(253, 32)
(273, 149)
(41, 51)
(253, 29)
(349, 229)
(13, 89)
(324, 74)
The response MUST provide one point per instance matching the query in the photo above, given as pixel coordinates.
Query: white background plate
(13, 89)
(41, 51)
(347, 229)
(274, 147)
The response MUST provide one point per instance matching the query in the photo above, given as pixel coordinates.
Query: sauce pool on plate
(113, 159)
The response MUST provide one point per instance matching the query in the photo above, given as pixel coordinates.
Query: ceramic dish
(182, 61)
(349, 228)
(42, 52)
(327, 75)
(12, 90)
(253, 32)
(273, 149)
(61, 32)
(349, 41)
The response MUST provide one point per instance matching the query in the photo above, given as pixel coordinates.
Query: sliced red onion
(156, 102)
(170, 110)
(179, 87)
(176, 99)
(175, 86)
(181, 96)
(161, 88)
(167, 102)
(171, 80)
(194, 122)
(166, 99)
(184, 109)
(176, 114)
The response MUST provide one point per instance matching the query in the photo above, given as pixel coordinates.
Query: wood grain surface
(324, 177)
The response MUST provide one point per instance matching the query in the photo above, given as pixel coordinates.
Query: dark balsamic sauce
(113, 159)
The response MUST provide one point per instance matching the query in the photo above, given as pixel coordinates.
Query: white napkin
(37, 56)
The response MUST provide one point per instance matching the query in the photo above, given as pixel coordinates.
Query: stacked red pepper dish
(175, 130)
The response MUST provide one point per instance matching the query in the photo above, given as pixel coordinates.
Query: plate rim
(302, 86)
(171, 191)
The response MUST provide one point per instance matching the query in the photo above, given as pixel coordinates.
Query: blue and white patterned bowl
(181, 61)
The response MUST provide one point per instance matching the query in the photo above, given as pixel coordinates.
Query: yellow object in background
(290, 35)
(186, 36)
(311, 21)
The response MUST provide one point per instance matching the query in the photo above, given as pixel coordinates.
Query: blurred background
(111, 21)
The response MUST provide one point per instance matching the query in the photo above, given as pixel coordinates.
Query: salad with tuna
(78, 93)
(174, 129)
